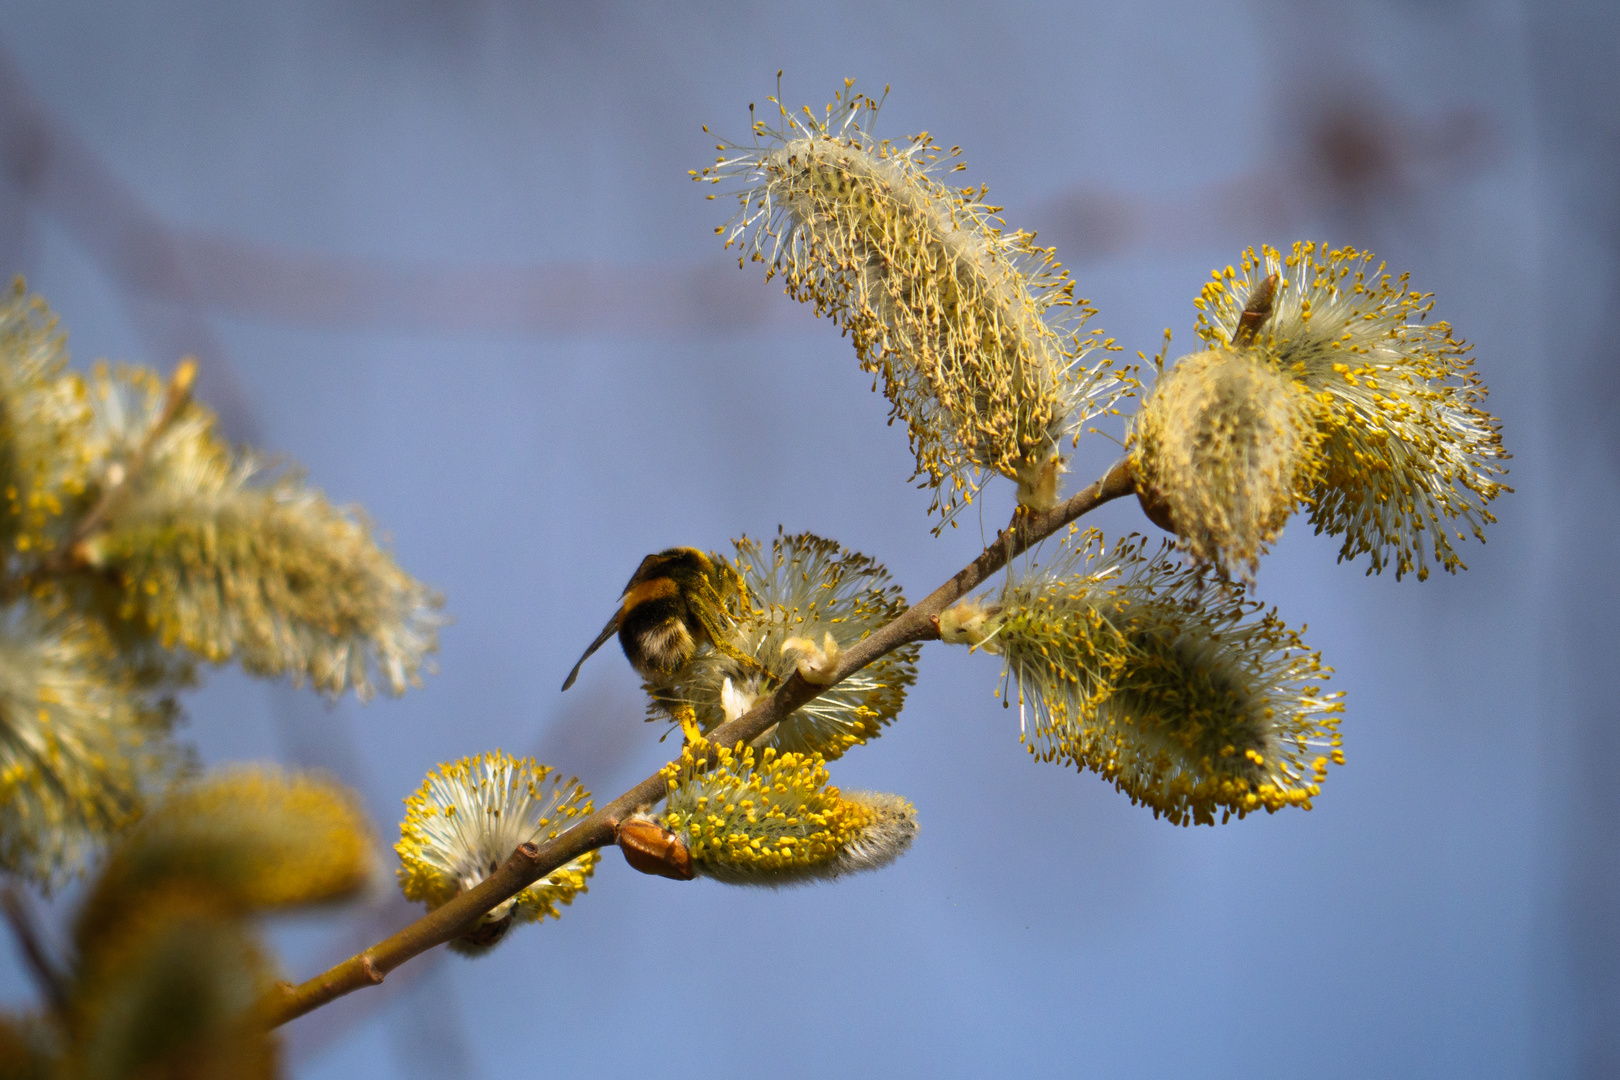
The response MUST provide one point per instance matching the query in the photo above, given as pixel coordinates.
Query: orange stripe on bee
(656, 589)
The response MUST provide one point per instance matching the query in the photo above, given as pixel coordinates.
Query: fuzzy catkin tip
(1040, 482)
(817, 663)
(1222, 448)
(973, 622)
(886, 836)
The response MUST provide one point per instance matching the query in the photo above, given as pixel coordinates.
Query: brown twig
(51, 982)
(531, 862)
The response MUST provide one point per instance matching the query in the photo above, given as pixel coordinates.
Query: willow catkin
(974, 332)
(1224, 445)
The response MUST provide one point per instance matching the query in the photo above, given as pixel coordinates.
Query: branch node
(370, 971)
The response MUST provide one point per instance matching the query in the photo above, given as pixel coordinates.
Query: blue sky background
(445, 254)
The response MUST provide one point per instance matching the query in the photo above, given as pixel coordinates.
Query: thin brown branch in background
(21, 920)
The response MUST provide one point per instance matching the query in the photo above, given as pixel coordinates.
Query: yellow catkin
(806, 587)
(1408, 458)
(973, 331)
(251, 838)
(1225, 444)
(752, 817)
(1188, 698)
(471, 814)
(45, 457)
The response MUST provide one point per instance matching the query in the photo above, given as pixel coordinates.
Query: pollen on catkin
(469, 816)
(1223, 445)
(1407, 454)
(802, 591)
(1187, 697)
(973, 331)
(756, 817)
(82, 746)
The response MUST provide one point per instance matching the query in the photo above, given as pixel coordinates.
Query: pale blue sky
(604, 383)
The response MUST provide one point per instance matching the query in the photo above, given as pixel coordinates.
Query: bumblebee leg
(686, 716)
(711, 615)
(748, 662)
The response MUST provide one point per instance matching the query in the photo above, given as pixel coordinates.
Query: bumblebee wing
(601, 639)
(643, 572)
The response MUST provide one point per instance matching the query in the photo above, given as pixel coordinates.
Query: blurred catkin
(45, 457)
(81, 746)
(251, 839)
(224, 556)
(133, 544)
(170, 980)
(172, 990)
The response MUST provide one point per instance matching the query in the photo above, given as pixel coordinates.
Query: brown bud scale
(653, 849)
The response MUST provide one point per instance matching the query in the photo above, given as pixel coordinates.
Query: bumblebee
(675, 603)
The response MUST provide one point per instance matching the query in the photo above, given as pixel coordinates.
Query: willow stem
(531, 862)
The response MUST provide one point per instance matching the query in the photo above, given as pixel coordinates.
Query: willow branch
(530, 862)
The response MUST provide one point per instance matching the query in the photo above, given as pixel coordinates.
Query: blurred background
(445, 253)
